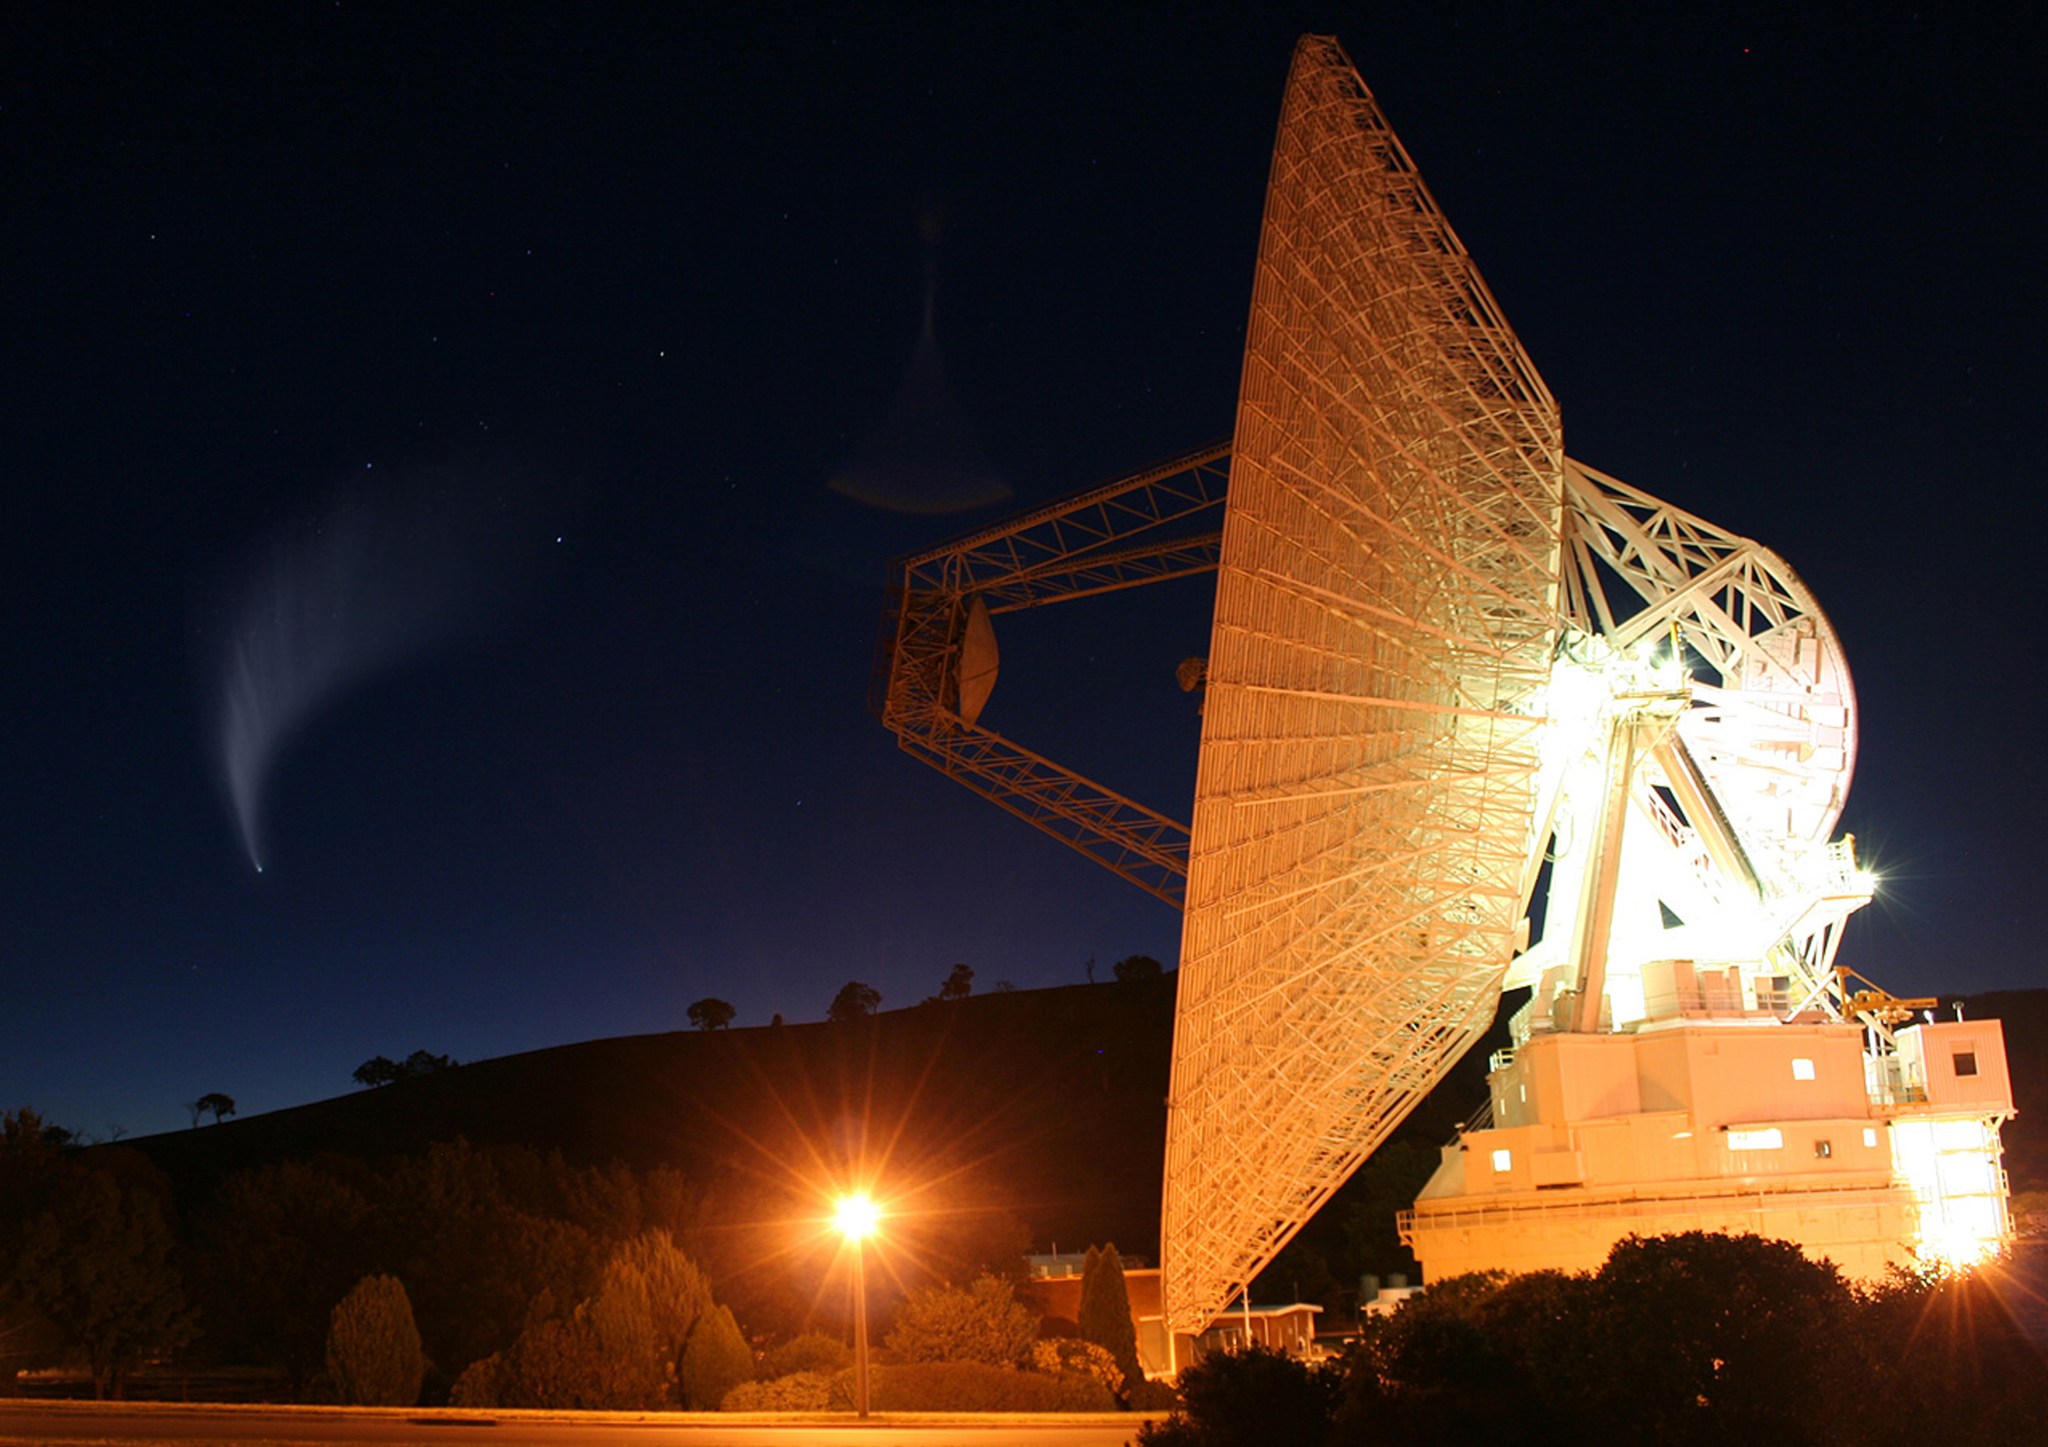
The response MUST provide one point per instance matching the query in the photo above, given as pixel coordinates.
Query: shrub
(814, 1351)
(483, 1383)
(797, 1392)
(1075, 1357)
(1256, 1398)
(716, 1360)
(982, 1324)
(1145, 1395)
(373, 1346)
(617, 1351)
(977, 1387)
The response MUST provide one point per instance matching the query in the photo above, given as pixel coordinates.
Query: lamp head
(857, 1216)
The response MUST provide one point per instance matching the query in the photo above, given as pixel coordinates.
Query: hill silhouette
(1047, 1105)
(1045, 1108)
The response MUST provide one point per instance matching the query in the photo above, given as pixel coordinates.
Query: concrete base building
(1726, 1120)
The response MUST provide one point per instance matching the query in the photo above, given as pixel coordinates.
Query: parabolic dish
(1386, 610)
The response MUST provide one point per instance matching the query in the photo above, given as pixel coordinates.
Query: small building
(1377, 1300)
(1053, 1286)
(1290, 1328)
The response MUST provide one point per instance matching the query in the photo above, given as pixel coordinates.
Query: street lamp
(857, 1218)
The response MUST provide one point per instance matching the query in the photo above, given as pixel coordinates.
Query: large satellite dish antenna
(1444, 656)
(1386, 613)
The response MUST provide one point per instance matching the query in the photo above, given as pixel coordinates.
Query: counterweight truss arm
(1123, 836)
(942, 656)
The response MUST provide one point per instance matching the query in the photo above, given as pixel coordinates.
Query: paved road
(151, 1422)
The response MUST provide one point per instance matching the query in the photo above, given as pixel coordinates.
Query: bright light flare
(1951, 1167)
(1957, 1252)
(857, 1216)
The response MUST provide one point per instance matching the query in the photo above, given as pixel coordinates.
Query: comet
(376, 578)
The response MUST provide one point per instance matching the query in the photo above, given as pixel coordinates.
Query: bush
(1145, 1395)
(982, 1324)
(1685, 1339)
(1074, 1357)
(1256, 1398)
(483, 1383)
(1940, 1359)
(977, 1387)
(373, 1346)
(797, 1392)
(716, 1360)
(617, 1351)
(812, 1352)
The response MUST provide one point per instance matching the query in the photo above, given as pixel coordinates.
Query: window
(1966, 1062)
(1503, 1160)
(1770, 1138)
(1823, 1149)
(1802, 1069)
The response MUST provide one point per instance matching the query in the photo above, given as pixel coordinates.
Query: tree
(377, 1070)
(1137, 967)
(1700, 1336)
(716, 1360)
(1434, 1371)
(958, 985)
(373, 1346)
(1105, 1310)
(676, 1288)
(617, 1351)
(281, 1245)
(711, 1014)
(382, 1070)
(92, 1256)
(985, 1323)
(222, 1106)
(854, 1001)
(1372, 1200)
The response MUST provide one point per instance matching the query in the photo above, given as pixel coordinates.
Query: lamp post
(857, 1218)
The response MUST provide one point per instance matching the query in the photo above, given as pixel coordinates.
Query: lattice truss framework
(1403, 545)
(1386, 611)
(1777, 731)
(1772, 722)
(1152, 526)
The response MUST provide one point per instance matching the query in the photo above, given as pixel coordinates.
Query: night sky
(420, 424)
